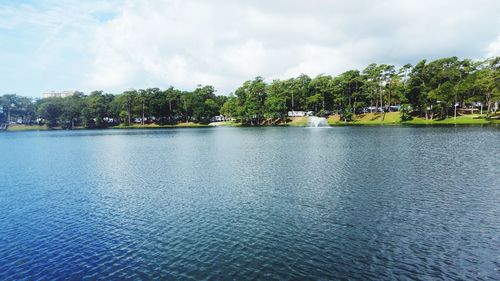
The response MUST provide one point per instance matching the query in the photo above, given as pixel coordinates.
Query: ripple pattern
(391, 203)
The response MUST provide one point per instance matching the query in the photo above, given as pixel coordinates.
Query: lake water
(370, 203)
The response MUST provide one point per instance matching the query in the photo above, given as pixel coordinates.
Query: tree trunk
(170, 112)
(142, 119)
(381, 102)
(389, 107)
(128, 115)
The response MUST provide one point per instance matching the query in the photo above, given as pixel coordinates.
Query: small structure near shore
(296, 113)
(219, 118)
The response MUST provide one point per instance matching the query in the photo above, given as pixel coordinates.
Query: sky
(115, 45)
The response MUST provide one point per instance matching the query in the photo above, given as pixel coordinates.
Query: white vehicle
(296, 113)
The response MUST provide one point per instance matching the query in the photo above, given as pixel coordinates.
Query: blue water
(383, 203)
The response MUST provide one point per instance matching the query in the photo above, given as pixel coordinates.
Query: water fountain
(316, 122)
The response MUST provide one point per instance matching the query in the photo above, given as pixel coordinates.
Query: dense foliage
(100, 110)
(432, 89)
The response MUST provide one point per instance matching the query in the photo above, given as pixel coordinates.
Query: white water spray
(317, 122)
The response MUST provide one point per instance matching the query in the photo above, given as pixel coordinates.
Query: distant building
(296, 113)
(395, 107)
(62, 94)
(219, 118)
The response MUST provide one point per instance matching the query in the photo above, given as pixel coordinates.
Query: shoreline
(360, 120)
(21, 128)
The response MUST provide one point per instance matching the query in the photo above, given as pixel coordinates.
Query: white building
(296, 113)
(219, 118)
(62, 94)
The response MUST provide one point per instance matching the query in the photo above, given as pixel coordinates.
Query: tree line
(435, 89)
(101, 110)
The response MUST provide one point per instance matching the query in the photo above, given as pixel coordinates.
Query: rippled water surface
(251, 203)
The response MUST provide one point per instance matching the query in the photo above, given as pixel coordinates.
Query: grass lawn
(391, 118)
(190, 125)
(156, 126)
(226, 124)
(334, 120)
(461, 120)
(394, 118)
(298, 121)
(16, 128)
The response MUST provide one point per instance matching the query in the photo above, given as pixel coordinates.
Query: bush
(405, 112)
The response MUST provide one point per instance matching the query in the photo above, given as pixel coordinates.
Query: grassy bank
(368, 119)
(17, 128)
(292, 121)
(394, 118)
(460, 120)
(298, 121)
(226, 124)
(156, 126)
(390, 118)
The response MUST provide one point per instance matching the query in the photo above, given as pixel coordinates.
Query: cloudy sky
(114, 45)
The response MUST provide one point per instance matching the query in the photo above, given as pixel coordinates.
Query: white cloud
(494, 48)
(115, 45)
(45, 43)
(185, 43)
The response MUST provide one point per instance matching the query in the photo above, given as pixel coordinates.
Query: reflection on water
(246, 203)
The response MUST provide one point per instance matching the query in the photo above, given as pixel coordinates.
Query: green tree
(10, 103)
(97, 109)
(251, 98)
(230, 107)
(50, 109)
(276, 102)
(204, 104)
(322, 85)
(315, 102)
(127, 100)
(72, 110)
